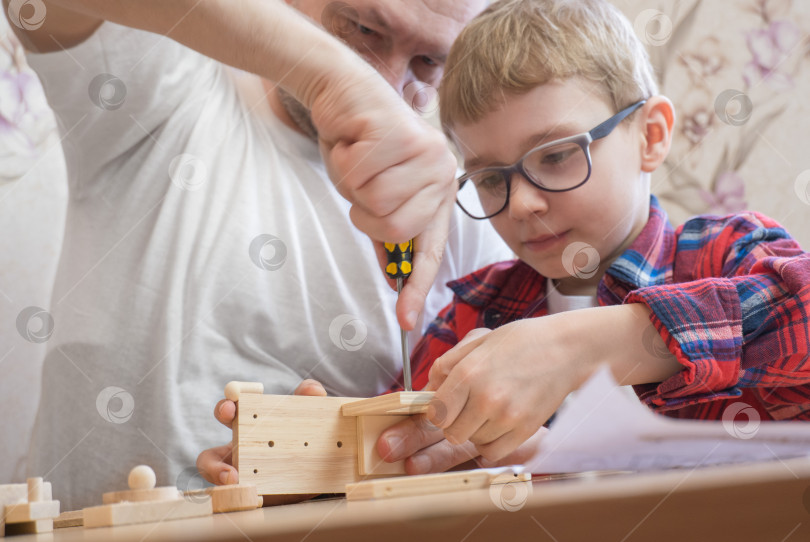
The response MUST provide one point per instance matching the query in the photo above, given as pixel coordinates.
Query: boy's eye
(365, 30)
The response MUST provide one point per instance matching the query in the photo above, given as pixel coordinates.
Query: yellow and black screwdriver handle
(399, 259)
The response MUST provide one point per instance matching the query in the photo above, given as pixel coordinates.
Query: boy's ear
(659, 119)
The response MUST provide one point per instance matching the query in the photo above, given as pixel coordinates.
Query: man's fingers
(310, 387)
(215, 465)
(406, 438)
(225, 412)
(427, 258)
(440, 457)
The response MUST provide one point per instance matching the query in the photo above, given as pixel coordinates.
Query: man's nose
(525, 199)
(397, 70)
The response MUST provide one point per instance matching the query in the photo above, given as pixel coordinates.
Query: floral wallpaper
(738, 72)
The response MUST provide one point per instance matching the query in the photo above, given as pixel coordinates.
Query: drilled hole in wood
(340, 444)
(255, 471)
(255, 416)
(271, 443)
(306, 444)
(465, 480)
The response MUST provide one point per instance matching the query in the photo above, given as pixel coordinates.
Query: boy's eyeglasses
(557, 166)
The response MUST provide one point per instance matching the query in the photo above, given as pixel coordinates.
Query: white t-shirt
(204, 243)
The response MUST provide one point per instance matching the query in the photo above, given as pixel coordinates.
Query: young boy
(554, 106)
(712, 313)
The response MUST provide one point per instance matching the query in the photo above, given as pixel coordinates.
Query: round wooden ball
(141, 477)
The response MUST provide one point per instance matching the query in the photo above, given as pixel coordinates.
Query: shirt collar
(646, 262)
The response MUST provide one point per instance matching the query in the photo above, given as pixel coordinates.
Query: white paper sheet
(601, 427)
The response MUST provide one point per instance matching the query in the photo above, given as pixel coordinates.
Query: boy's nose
(526, 199)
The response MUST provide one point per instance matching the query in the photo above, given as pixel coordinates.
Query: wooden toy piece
(144, 503)
(74, 518)
(141, 477)
(38, 526)
(369, 461)
(426, 484)
(27, 508)
(230, 498)
(141, 482)
(234, 389)
(273, 433)
(12, 494)
(326, 438)
(403, 402)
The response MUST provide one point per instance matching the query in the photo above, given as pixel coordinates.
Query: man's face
(606, 213)
(407, 41)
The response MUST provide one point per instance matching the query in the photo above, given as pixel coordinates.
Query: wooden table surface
(754, 502)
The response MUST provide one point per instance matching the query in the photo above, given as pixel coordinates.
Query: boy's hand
(216, 464)
(497, 388)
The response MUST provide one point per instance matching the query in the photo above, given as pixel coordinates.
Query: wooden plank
(427, 484)
(403, 402)
(31, 511)
(369, 461)
(74, 518)
(128, 513)
(290, 444)
(140, 495)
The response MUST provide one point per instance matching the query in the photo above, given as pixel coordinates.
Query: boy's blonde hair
(516, 45)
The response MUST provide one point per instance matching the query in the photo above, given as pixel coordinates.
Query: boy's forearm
(265, 37)
(623, 337)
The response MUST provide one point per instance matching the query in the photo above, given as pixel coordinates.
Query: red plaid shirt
(729, 295)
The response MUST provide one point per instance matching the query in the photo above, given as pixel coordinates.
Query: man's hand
(216, 464)
(396, 170)
(425, 450)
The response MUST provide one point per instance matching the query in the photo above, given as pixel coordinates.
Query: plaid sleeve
(736, 317)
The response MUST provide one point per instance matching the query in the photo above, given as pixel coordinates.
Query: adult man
(204, 241)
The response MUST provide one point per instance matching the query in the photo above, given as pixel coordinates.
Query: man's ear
(658, 117)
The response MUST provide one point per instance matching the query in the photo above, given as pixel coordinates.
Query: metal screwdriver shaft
(406, 357)
(399, 267)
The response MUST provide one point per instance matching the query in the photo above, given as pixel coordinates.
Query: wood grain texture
(31, 511)
(403, 402)
(140, 495)
(74, 518)
(427, 484)
(369, 429)
(291, 444)
(128, 513)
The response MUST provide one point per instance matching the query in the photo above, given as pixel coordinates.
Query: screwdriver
(399, 267)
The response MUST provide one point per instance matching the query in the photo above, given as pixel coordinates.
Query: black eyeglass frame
(584, 141)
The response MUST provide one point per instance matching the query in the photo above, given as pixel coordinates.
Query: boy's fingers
(310, 387)
(523, 454)
(502, 447)
(440, 457)
(407, 437)
(447, 362)
(214, 464)
(225, 412)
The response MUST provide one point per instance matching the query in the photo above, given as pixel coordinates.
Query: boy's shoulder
(511, 280)
(730, 228)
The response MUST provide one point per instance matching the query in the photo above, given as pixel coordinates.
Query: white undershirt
(558, 302)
